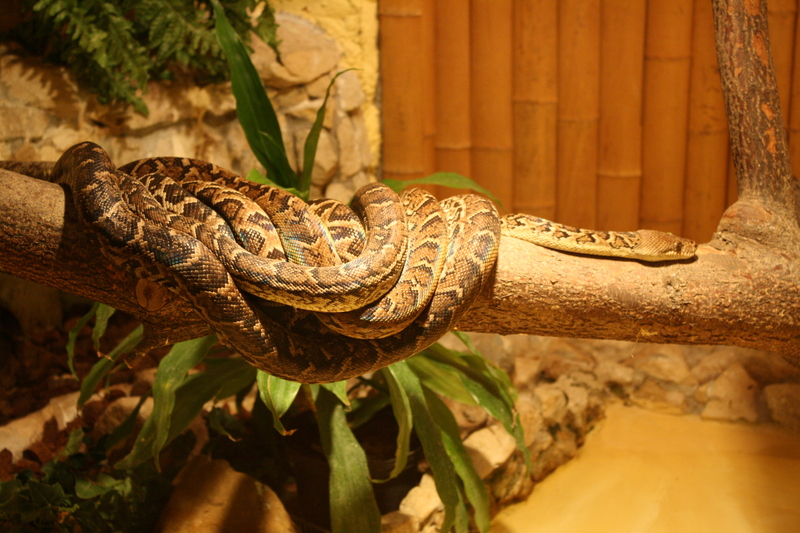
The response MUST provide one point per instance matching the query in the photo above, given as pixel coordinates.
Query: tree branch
(747, 298)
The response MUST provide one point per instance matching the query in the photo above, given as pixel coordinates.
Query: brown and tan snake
(360, 289)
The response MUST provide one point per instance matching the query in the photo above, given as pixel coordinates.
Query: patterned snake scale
(310, 292)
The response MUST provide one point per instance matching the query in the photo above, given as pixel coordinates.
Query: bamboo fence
(598, 113)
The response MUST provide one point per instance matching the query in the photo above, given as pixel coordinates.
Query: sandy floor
(645, 472)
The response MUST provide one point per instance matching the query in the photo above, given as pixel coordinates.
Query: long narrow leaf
(444, 474)
(105, 364)
(256, 114)
(339, 389)
(104, 312)
(353, 506)
(310, 147)
(473, 484)
(277, 394)
(401, 407)
(441, 378)
(72, 336)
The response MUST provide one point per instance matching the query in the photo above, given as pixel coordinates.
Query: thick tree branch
(758, 137)
(750, 297)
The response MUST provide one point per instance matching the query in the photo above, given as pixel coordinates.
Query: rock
(783, 400)
(732, 396)
(713, 364)
(511, 481)
(564, 357)
(349, 92)
(489, 448)
(397, 522)
(210, 496)
(116, 413)
(306, 53)
(530, 416)
(468, 417)
(666, 363)
(611, 372)
(422, 501)
(349, 154)
(143, 381)
(559, 452)
(553, 402)
(650, 395)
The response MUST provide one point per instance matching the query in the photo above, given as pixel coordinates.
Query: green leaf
(339, 389)
(72, 336)
(489, 386)
(426, 426)
(172, 372)
(125, 430)
(451, 436)
(278, 395)
(255, 111)
(353, 506)
(443, 379)
(310, 147)
(106, 363)
(445, 179)
(401, 407)
(104, 312)
(463, 337)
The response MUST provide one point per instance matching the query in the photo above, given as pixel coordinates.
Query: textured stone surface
(732, 396)
(489, 448)
(783, 400)
(212, 497)
(422, 500)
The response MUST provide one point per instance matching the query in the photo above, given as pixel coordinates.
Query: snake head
(660, 246)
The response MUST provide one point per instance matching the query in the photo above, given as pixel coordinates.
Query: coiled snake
(359, 289)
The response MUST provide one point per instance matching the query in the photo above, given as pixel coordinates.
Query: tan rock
(489, 448)
(650, 395)
(212, 497)
(666, 363)
(422, 501)
(613, 372)
(349, 154)
(732, 396)
(398, 522)
(783, 400)
(349, 92)
(530, 416)
(116, 413)
(553, 402)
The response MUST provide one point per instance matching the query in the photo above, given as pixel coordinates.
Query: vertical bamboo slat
(452, 31)
(490, 97)
(535, 108)
(403, 81)
(578, 102)
(619, 158)
(428, 65)
(666, 81)
(707, 145)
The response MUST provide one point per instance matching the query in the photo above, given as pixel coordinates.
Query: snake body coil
(360, 289)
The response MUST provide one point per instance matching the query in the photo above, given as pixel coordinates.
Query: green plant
(114, 48)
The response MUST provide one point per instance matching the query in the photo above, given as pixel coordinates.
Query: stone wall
(44, 113)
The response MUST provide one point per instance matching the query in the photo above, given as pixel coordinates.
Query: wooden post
(578, 104)
(707, 145)
(619, 158)
(490, 97)
(453, 130)
(666, 81)
(402, 83)
(535, 106)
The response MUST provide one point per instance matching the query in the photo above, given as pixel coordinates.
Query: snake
(312, 292)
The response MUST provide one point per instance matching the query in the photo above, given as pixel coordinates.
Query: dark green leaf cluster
(79, 492)
(115, 47)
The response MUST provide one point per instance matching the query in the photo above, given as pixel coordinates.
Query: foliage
(114, 48)
(78, 491)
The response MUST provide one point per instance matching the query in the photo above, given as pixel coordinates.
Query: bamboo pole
(707, 151)
(428, 66)
(452, 49)
(578, 106)
(402, 85)
(619, 158)
(666, 82)
(535, 107)
(490, 97)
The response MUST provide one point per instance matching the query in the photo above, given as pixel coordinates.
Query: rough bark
(742, 289)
